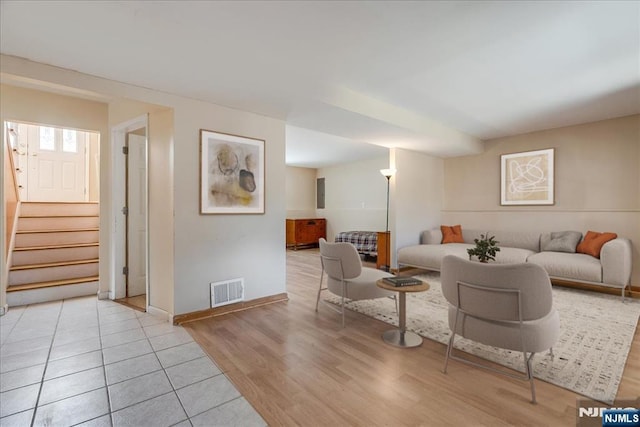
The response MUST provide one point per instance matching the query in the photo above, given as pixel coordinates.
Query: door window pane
(69, 141)
(47, 138)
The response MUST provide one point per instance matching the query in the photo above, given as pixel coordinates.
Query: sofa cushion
(569, 266)
(593, 242)
(560, 241)
(431, 237)
(513, 255)
(451, 234)
(509, 239)
(430, 256)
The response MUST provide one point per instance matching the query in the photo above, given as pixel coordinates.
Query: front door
(56, 165)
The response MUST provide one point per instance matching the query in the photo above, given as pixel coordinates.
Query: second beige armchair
(346, 276)
(508, 306)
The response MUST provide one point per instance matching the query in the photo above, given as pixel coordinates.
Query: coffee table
(401, 337)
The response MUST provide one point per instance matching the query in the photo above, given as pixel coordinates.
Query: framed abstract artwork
(527, 178)
(231, 174)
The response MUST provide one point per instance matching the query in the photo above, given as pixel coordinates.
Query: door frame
(117, 288)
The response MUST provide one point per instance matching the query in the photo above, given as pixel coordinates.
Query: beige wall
(35, 106)
(8, 213)
(10, 197)
(206, 248)
(355, 196)
(597, 183)
(416, 197)
(210, 248)
(161, 223)
(300, 188)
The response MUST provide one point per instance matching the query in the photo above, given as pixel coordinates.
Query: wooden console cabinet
(305, 232)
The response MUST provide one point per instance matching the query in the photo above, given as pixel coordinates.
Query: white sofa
(613, 269)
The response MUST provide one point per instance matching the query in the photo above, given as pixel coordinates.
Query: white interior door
(56, 165)
(137, 214)
(125, 264)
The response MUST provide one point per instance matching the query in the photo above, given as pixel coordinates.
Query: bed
(366, 242)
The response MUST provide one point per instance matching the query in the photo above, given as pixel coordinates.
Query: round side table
(401, 337)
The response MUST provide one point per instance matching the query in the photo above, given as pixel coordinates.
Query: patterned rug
(596, 331)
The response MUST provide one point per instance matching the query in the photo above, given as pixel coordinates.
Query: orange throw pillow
(593, 242)
(451, 234)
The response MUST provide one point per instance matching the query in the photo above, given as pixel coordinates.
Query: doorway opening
(131, 286)
(54, 243)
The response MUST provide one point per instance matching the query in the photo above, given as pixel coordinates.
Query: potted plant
(485, 249)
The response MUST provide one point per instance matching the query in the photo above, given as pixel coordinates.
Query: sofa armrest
(615, 257)
(431, 237)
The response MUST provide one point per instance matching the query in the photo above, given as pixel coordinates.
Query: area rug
(596, 331)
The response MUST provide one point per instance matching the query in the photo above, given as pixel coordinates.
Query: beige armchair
(346, 277)
(502, 305)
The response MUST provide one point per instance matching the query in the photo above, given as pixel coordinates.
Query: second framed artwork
(527, 178)
(231, 174)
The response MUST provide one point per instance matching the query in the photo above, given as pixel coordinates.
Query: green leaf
(485, 249)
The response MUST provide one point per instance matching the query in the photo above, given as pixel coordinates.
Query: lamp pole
(387, 173)
(388, 180)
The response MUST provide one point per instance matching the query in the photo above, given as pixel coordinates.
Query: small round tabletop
(412, 288)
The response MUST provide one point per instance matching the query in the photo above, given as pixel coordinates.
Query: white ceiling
(436, 77)
(312, 149)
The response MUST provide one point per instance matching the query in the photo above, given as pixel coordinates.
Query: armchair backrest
(507, 292)
(340, 260)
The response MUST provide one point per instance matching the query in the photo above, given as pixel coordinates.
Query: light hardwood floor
(138, 302)
(299, 367)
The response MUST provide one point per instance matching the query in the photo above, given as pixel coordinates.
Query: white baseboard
(104, 295)
(4, 309)
(160, 313)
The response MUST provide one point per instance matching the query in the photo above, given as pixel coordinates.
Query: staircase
(55, 255)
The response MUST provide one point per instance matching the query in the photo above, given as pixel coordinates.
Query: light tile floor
(92, 362)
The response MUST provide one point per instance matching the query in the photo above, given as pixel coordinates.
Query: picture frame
(527, 178)
(232, 174)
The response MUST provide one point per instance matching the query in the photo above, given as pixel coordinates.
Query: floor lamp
(387, 173)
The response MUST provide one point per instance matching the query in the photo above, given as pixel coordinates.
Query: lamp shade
(388, 173)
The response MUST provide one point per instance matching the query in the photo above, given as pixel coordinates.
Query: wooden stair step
(53, 264)
(57, 231)
(29, 286)
(52, 238)
(59, 208)
(57, 223)
(60, 216)
(62, 203)
(74, 245)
